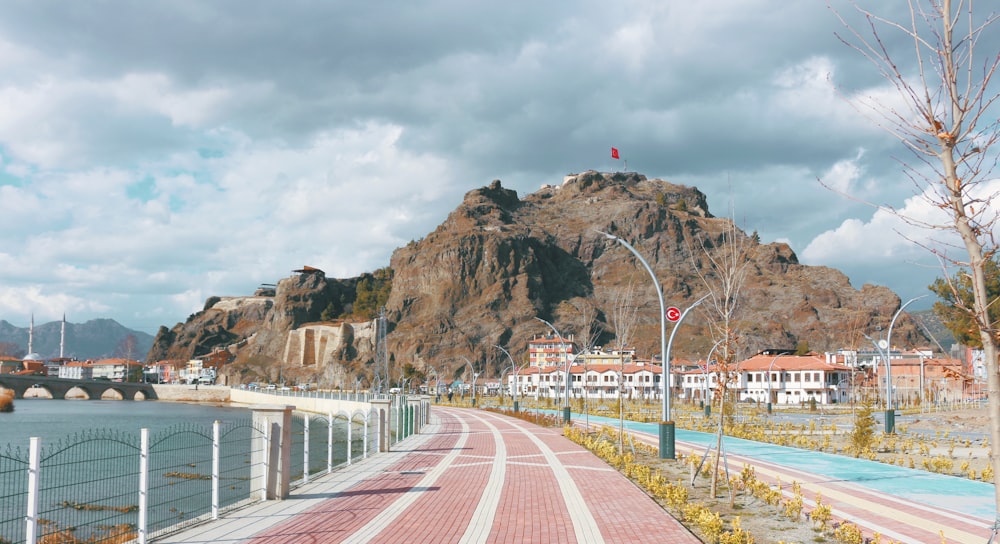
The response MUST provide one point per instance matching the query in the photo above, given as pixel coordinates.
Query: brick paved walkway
(471, 476)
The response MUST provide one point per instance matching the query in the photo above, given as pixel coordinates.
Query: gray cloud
(156, 153)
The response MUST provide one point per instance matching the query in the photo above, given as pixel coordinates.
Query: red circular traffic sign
(673, 314)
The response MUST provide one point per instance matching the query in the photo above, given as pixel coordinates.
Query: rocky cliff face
(254, 329)
(498, 262)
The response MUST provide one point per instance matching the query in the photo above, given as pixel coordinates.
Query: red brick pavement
(483, 477)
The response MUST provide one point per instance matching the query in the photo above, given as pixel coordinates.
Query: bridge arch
(112, 393)
(93, 389)
(38, 391)
(77, 393)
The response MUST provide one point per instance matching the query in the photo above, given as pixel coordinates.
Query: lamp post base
(667, 440)
(769, 407)
(890, 421)
(566, 415)
(517, 406)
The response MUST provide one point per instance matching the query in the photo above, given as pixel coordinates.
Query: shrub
(848, 533)
(863, 435)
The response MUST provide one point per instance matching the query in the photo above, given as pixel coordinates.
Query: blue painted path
(947, 492)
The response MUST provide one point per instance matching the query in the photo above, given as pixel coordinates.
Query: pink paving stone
(530, 506)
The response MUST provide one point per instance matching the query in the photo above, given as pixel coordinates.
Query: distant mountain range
(95, 339)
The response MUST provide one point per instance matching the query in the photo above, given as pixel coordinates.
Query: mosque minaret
(62, 337)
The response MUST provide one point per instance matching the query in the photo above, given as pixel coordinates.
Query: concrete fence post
(382, 407)
(350, 424)
(275, 479)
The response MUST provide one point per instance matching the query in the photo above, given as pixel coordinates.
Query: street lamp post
(890, 412)
(566, 410)
(769, 367)
(437, 384)
(707, 400)
(474, 376)
(888, 340)
(666, 425)
(514, 370)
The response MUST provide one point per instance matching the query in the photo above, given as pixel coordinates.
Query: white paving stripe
(584, 525)
(482, 519)
(393, 511)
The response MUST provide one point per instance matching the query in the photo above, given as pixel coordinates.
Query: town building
(196, 371)
(550, 350)
(792, 379)
(117, 370)
(77, 370)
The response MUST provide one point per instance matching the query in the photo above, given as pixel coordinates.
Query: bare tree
(942, 113)
(592, 328)
(126, 347)
(724, 267)
(624, 316)
(590, 333)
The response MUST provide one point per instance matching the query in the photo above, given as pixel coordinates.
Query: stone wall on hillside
(321, 345)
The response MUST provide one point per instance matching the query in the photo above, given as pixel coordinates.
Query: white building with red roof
(793, 379)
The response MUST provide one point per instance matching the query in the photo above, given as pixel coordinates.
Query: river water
(101, 474)
(52, 420)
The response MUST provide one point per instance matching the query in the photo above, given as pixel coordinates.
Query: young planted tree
(724, 265)
(624, 316)
(590, 333)
(943, 112)
(862, 437)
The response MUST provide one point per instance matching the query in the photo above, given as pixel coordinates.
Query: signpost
(673, 314)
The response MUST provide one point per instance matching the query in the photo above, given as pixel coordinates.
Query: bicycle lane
(904, 504)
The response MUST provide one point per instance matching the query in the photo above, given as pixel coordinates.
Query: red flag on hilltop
(614, 153)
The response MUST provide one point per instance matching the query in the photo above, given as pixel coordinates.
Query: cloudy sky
(156, 153)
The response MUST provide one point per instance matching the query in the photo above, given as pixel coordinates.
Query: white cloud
(843, 176)
(144, 170)
(156, 93)
(889, 250)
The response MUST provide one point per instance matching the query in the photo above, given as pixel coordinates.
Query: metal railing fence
(13, 494)
(104, 486)
(196, 472)
(88, 487)
(235, 466)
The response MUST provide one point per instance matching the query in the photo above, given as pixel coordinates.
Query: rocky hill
(95, 339)
(499, 261)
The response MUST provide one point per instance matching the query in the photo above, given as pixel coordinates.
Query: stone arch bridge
(58, 387)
